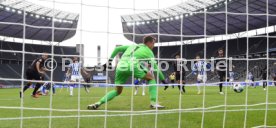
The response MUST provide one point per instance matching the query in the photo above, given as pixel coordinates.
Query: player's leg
(177, 76)
(198, 87)
(183, 86)
(221, 79)
(166, 87)
(29, 76)
(204, 80)
(145, 74)
(264, 84)
(27, 86)
(231, 80)
(199, 79)
(120, 78)
(152, 91)
(253, 82)
(37, 86)
(44, 88)
(180, 86)
(152, 87)
(178, 82)
(50, 86)
(37, 77)
(173, 83)
(143, 89)
(111, 94)
(136, 90)
(182, 82)
(53, 89)
(274, 79)
(71, 86)
(71, 89)
(86, 87)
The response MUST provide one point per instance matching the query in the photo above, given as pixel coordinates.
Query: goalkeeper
(130, 63)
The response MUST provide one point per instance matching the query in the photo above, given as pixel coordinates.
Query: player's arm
(45, 69)
(156, 68)
(68, 71)
(216, 67)
(37, 65)
(261, 73)
(194, 69)
(207, 65)
(84, 71)
(117, 50)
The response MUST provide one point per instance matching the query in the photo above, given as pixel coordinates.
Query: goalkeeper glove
(108, 65)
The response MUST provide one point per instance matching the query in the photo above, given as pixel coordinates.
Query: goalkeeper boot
(93, 106)
(158, 106)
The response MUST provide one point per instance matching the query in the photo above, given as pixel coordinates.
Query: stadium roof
(192, 13)
(186, 7)
(38, 21)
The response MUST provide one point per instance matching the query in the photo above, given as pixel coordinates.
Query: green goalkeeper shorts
(124, 70)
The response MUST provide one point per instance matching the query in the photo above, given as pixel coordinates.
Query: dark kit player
(222, 69)
(264, 75)
(36, 72)
(180, 74)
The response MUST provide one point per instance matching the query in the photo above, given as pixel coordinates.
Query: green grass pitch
(119, 115)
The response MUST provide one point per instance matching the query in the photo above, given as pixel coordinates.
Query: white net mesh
(244, 29)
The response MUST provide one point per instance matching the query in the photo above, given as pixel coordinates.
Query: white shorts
(250, 81)
(231, 79)
(202, 78)
(76, 78)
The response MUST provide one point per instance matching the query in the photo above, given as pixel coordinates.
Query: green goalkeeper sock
(109, 96)
(152, 91)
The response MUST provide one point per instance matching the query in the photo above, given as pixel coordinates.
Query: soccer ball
(238, 88)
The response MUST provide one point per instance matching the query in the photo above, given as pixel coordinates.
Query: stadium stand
(36, 16)
(192, 14)
(11, 63)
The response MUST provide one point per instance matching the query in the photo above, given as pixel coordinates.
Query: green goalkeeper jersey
(134, 54)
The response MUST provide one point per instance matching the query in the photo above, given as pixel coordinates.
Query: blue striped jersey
(231, 75)
(75, 68)
(201, 67)
(250, 76)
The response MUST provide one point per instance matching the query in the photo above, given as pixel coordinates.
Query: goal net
(217, 58)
